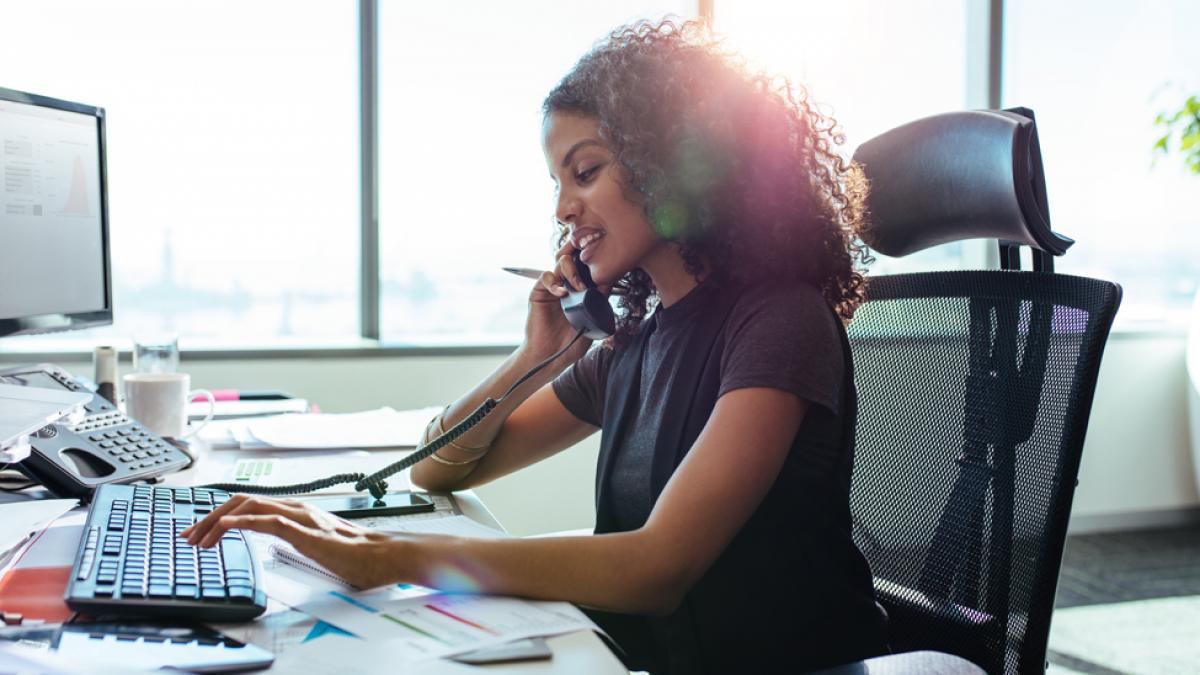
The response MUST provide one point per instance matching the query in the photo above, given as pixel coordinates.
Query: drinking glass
(158, 353)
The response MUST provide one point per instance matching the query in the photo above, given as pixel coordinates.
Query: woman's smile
(588, 246)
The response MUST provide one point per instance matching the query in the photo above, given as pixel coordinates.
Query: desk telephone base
(106, 446)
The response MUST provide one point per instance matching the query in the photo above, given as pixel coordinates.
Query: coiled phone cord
(376, 483)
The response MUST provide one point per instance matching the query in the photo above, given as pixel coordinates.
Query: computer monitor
(54, 248)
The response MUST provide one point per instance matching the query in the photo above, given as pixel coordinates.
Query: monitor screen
(54, 258)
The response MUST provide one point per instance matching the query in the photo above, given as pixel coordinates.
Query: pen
(537, 274)
(524, 272)
(245, 395)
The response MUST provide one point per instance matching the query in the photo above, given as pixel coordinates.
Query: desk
(580, 652)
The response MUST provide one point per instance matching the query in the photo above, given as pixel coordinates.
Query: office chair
(974, 392)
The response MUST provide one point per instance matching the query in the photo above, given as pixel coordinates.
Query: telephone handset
(588, 309)
(106, 446)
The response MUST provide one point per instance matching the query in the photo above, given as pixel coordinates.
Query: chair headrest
(961, 175)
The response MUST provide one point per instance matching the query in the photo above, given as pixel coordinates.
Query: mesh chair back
(974, 394)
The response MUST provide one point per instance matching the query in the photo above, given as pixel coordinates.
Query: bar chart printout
(442, 624)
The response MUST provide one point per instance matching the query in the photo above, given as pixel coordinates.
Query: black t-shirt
(790, 592)
(777, 337)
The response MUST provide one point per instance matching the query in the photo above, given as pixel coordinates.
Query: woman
(711, 201)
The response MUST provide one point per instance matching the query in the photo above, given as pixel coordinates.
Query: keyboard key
(160, 590)
(241, 594)
(213, 593)
(235, 555)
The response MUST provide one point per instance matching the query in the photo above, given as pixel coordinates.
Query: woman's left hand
(363, 557)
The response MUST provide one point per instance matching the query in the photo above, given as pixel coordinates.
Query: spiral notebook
(286, 554)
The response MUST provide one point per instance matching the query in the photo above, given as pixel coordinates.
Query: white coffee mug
(159, 402)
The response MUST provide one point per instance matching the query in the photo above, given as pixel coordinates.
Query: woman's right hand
(546, 328)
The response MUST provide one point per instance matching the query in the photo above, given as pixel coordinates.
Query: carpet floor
(1129, 602)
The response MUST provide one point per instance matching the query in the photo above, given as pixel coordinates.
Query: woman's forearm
(619, 572)
(436, 476)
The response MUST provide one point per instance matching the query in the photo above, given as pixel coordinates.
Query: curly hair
(737, 167)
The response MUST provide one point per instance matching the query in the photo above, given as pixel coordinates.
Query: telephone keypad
(102, 421)
(133, 446)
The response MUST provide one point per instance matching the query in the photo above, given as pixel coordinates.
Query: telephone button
(47, 431)
(96, 437)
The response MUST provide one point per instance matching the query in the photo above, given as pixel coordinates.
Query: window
(1096, 74)
(464, 188)
(233, 157)
(234, 142)
(873, 65)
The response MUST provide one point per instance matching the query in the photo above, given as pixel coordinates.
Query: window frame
(984, 57)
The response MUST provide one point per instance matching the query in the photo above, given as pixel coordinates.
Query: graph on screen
(48, 167)
(77, 202)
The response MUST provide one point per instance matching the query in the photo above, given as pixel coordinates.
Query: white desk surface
(579, 652)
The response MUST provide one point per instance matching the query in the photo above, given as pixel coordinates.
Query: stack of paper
(414, 624)
(382, 428)
(439, 624)
(19, 520)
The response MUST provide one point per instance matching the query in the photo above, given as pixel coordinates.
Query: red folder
(36, 593)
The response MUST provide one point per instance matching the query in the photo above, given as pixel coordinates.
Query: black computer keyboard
(132, 561)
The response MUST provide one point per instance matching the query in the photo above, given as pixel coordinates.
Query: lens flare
(454, 580)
